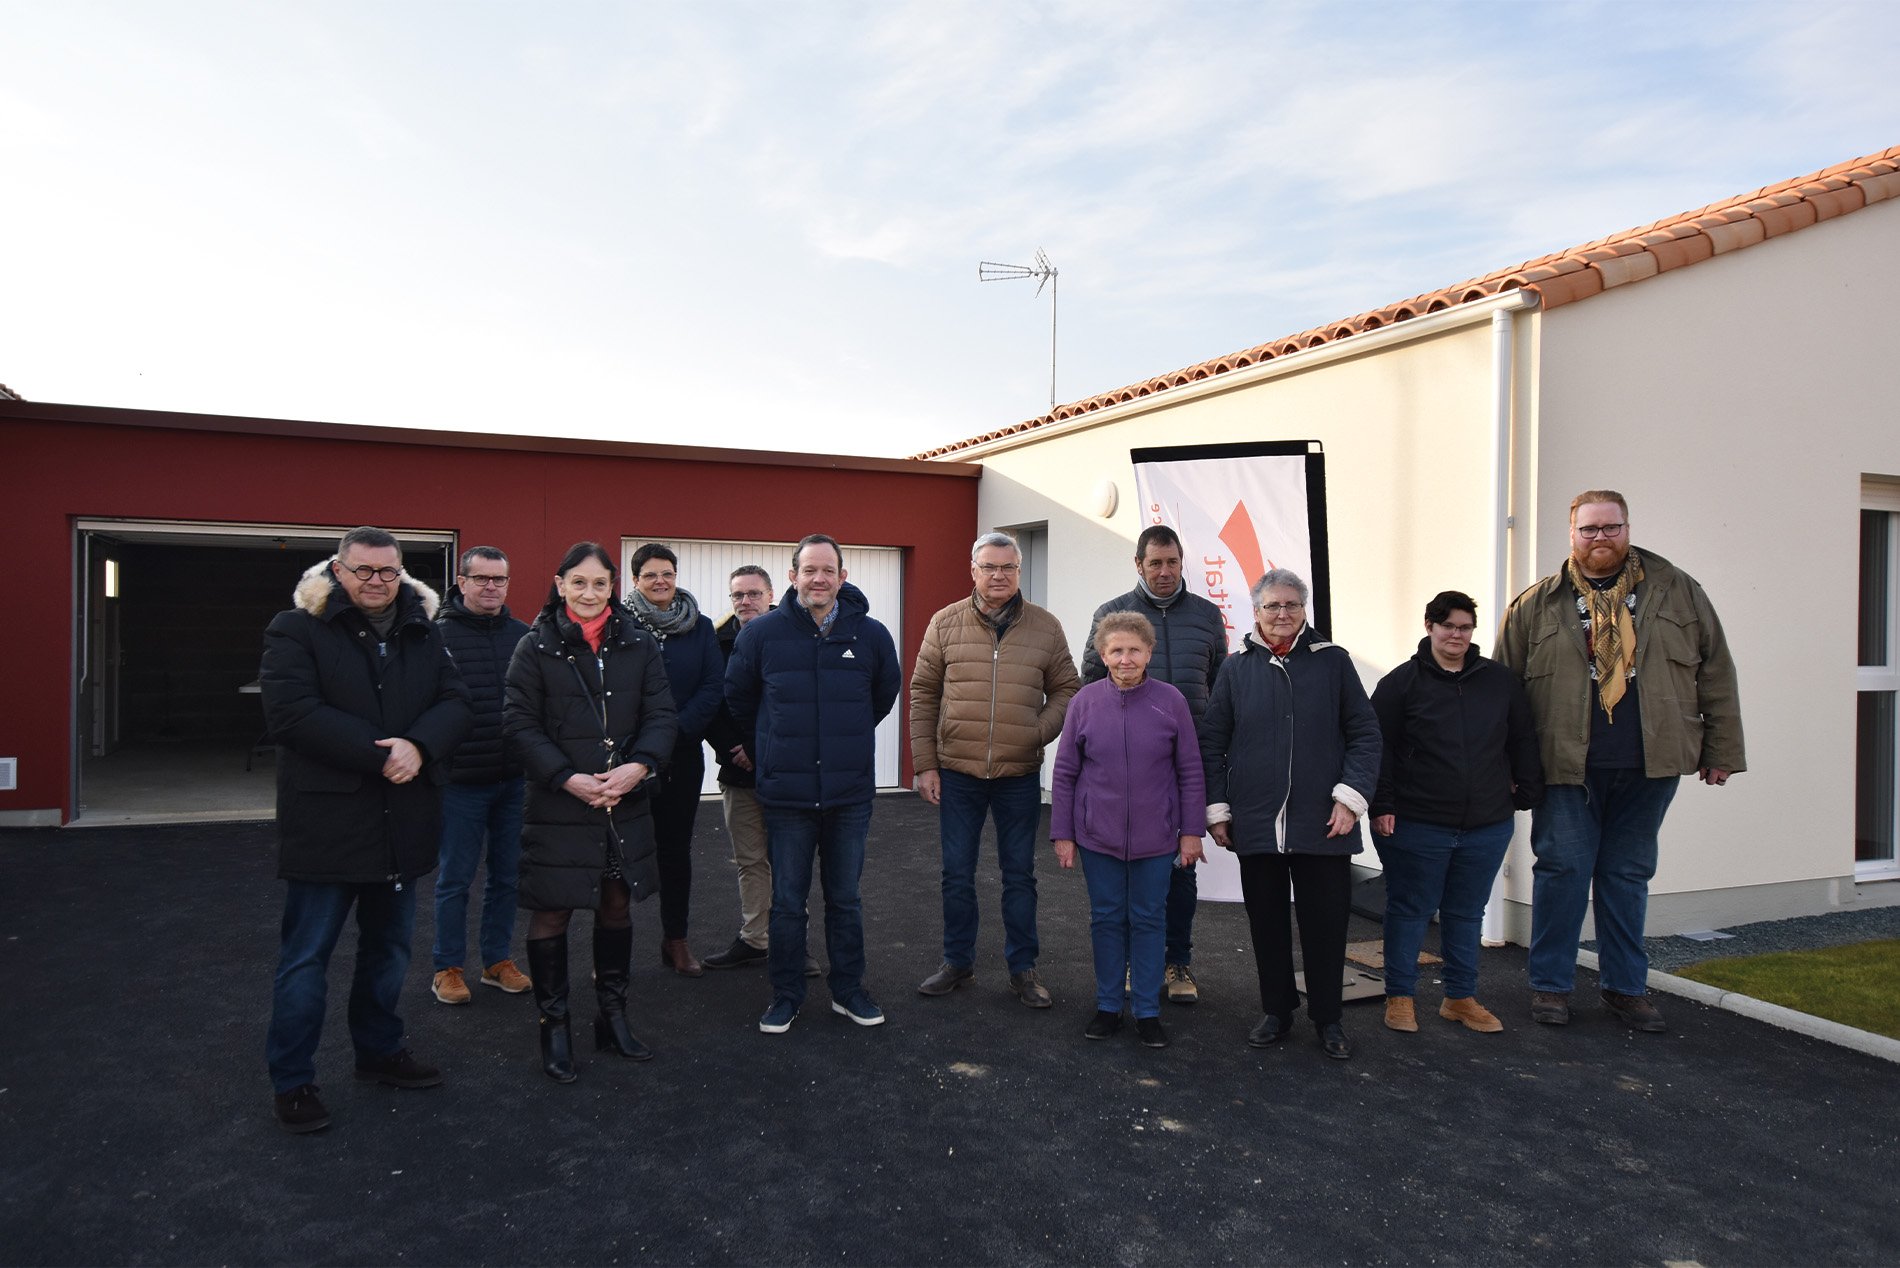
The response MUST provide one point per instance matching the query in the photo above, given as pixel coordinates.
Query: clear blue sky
(758, 224)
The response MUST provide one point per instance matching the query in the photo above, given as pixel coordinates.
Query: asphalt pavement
(136, 1125)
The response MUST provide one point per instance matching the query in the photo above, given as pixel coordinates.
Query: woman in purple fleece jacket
(1128, 790)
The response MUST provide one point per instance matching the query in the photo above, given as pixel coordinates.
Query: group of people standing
(599, 708)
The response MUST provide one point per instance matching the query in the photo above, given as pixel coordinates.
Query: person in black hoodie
(481, 807)
(589, 714)
(1460, 759)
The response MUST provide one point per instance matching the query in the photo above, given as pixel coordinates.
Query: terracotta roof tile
(8, 394)
(1562, 277)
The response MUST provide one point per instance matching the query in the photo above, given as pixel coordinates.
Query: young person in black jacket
(1460, 760)
(589, 714)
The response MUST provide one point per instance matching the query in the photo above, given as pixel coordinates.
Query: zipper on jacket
(989, 754)
(1279, 819)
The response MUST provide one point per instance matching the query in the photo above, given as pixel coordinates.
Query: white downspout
(1502, 356)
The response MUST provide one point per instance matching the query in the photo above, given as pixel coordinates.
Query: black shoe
(299, 1110)
(547, 970)
(1636, 1012)
(613, 961)
(1030, 990)
(398, 1069)
(1332, 1038)
(739, 953)
(1550, 1008)
(1271, 1030)
(946, 979)
(1102, 1025)
(812, 969)
(1148, 1030)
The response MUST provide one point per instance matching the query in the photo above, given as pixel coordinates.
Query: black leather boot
(547, 969)
(613, 955)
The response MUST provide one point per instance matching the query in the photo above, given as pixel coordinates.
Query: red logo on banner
(1240, 538)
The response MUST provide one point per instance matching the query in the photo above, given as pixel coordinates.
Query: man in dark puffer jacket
(807, 685)
(483, 799)
(365, 706)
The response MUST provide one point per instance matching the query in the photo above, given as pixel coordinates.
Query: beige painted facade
(1735, 402)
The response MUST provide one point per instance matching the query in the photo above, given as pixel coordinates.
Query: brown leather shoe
(677, 955)
(1472, 1014)
(946, 979)
(1030, 990)
(1399, 1014)
(1636, 1012)
(1550, 1008)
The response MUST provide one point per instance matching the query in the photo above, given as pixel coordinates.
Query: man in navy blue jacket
(807, 684)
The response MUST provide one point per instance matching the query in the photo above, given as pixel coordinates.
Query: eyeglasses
(363, 572)
(1455, 630)
(1600, 530)
(657, 576)
(991, 570)
(485, 582)
(752, 595)
(1282, 609)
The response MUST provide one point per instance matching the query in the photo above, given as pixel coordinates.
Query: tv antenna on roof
(1044, 273)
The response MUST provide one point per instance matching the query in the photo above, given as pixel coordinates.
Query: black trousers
(674, 812)
(1321, 884)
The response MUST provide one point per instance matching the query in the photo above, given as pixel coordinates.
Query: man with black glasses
(365, 705)
(1632, 685)
(481, 807)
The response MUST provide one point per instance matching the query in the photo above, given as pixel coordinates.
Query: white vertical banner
(1238, 514)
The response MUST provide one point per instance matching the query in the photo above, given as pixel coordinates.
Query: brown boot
(676, 954)
(1399, 1014)
(1472, 1014)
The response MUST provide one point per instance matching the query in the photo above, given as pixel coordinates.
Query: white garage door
(705, 567)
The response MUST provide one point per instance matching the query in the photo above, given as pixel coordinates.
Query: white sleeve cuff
(1349, 797)
(1219, 812)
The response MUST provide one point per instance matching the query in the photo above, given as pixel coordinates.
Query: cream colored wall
(1407, 435)
(1737, 404)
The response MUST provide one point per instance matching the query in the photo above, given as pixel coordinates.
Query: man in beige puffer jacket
(991, 684)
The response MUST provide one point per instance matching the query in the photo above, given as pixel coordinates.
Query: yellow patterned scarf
(1612, 630)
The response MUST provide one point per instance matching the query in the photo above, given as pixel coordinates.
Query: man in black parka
(365, 705)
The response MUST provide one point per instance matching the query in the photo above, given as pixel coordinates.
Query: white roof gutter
(1424, 327)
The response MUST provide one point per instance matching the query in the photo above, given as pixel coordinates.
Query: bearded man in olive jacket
(1633, 687)
(366, 706)
(989, 690)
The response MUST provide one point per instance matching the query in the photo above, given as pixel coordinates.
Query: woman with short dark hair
(1460, 760)
(696, 671)
(589, 715)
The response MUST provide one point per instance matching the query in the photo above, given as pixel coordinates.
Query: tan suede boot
(1399, 1014)
(1472, 1014)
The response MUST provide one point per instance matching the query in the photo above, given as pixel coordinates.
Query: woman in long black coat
(589, 714)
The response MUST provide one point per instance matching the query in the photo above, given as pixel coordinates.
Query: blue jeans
(470, 814)
(1431, 868)
(1603, 831)
(313, 920)
(1016, 802)
(1183, 892)
(835, 837)
(1128, 902)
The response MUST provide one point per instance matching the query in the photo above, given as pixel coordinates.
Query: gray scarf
(1180, 588)
(678, 619)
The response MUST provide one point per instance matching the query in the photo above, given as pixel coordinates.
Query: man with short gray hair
(991, 685)
(482, 803)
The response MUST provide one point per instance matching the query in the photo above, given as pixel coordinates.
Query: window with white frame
(1877, 729)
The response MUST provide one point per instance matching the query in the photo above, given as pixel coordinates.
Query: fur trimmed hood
(312, 594)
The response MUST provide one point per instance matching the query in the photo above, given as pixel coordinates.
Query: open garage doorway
(172, 615)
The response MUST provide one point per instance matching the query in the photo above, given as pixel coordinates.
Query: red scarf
(592, 630)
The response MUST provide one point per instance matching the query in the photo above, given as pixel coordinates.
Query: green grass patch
(1857, 985)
